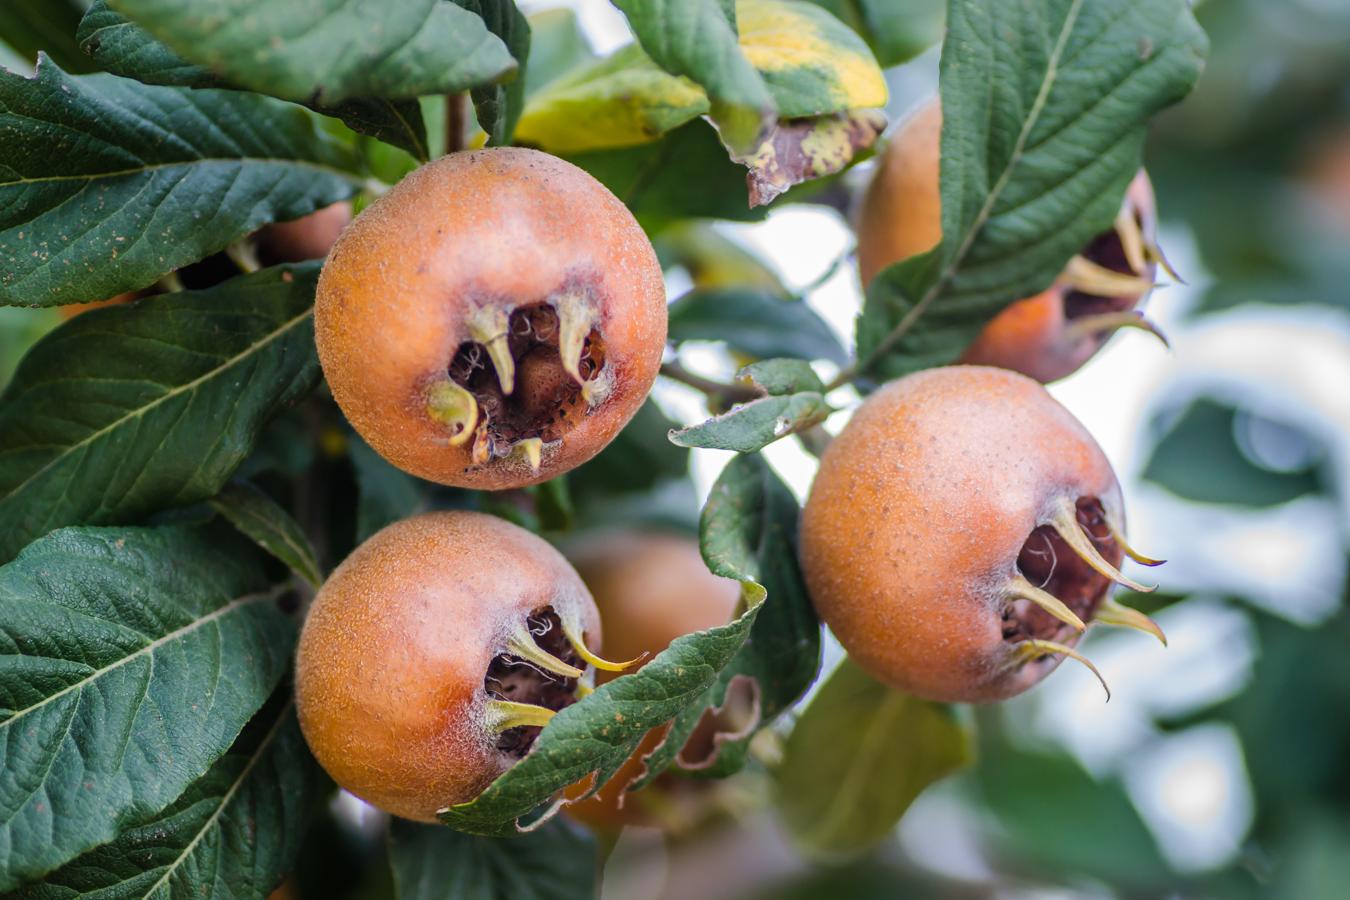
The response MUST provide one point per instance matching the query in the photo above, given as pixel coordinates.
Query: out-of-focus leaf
(557, 46)
(802, 149)
(858, 757)
(269, 526)
(698, 39)
(754, 322)
(108, 184)
(620, 101)
(752, 426)
(385, 493)
(129, 661)
(160, 401)
(812, 63)
(1032, 166)
(637, 460)
(499, 105)
(239, 827)
(714, 261)
(557, 862)
(46, 26)
(122, 47)
(896, 31)
(1199, 459)
(327, 51)
(685, 174)
(781, 376)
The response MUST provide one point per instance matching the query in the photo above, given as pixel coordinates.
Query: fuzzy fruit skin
(901, 216)
(71, 310)
(918, 513)
(504, 227)
(650, 588)
(309, 237)
(392, 657)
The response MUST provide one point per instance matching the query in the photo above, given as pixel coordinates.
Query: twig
(732, 393)
(456, 121)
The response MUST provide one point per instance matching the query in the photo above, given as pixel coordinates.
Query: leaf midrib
(202, 160)
(225, 365)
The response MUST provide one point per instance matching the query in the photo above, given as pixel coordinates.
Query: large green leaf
(698, 39)
(749, 527)
(895, 31)
(46, 26)
(1045, 104)
(754, 322)
(158, 401)
(328, 51)
(499, 105)
(752, 426)
(235, 832)
(122, 47)
(107, 184)
(261, 519)
(557, 862)
(857, 758)
(129, 661)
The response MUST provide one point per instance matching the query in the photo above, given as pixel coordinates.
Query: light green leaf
(238, 827)
(895, 31)
(107, 184)
(857, 758)
(327, 51)
(159, 401)
(781, 376)
(269, 526)
(129, 661)
(753, 426)
(1046, 104)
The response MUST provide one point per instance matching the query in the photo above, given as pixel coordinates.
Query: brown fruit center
(546, 401)
(1108, 251)
(1049, 563)
(520, 681)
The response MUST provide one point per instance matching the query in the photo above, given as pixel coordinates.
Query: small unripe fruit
(434, 654)
(492, 321)
(1047, 336)
(650, 589)
(309, 237)
(961, 533)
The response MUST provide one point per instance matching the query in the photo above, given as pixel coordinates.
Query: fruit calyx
(540, 670)
(526, 375)
(1061, 582)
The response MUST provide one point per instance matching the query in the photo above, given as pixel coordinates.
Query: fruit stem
(1033, 649)
(506, 714)
(731, 393)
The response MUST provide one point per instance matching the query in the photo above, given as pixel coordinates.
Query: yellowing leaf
(800, 150)
(812, 62)
(620, 101)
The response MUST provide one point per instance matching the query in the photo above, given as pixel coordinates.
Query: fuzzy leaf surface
(234, 832)
(856, 759)
(753, 426)
(327, 51)
(160, 401)
(1046, 105)
(129, 661)
(269, 526)
(557, 862)
(120, 46)
(107, 184)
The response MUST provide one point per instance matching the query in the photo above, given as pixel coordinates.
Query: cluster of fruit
(496, 318)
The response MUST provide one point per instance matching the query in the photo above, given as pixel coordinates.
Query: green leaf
(812, 63)
(858, 757)
(896, 32)
(159, 401)
(46, 26)
(697, 39)
(683, 175)
(108, 184)
(781, 376)
(557, 862)
(1199, 459)
(122, 47)
(749, 532)
(499, 105)
(752, 426)
(754, 322)
(1046, 104)
(237, 827)
(327, 51)
(622, 100)
(385, 493)
(557, 46)
(639, 459)
(269, 526)
(129, 661)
